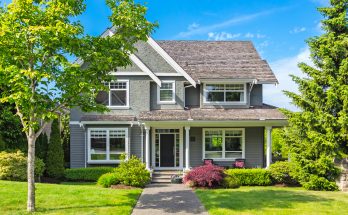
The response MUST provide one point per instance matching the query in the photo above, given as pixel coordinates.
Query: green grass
(272, 200)
(69, 198)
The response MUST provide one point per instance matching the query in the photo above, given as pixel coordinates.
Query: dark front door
(167, 150)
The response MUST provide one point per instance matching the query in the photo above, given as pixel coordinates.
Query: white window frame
(159, 93)
(127, 94)
(224, 102)
(107, 160)
(223, 142)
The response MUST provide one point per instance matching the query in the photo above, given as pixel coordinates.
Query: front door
(167, 150)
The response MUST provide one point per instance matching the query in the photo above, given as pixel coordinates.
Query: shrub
(55, 153)
(205, 176)
(320, 183)
(281, 173)
(251, 177)
(41, 146)
(86, 174)
(231, 181)
(132, 172)
(108, 179)
(13, 166)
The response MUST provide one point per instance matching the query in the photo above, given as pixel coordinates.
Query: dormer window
(166, 93)
(117, 96)
(225, 93)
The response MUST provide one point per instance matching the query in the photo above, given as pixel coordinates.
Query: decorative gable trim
(170, 60)
(144, 68)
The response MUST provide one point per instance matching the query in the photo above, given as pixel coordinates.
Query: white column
(269, 146)
(147, 147)
(187, 147)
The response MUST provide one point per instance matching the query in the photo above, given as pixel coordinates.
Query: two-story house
(179, 103)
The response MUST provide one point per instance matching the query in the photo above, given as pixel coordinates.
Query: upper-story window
(117, 96)
(166, 93)
(225, 93)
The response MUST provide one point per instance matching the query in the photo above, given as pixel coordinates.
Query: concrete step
(162, 176)
(158, 180)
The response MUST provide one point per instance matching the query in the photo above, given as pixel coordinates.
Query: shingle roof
(265, 112)
(103, 117)
(219, 59)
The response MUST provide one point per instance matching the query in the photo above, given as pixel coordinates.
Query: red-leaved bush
(205, 176)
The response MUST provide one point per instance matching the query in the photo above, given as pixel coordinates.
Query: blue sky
(278, 29)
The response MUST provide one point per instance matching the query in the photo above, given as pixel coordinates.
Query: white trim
(127, 94)
(228, 81)
(205, 102)
(170, 60)
(268, 146)
(181, 148)
(144, 68)
(74, 123)
(187, 147)
(223, 142)
(107, 160)
(137, 73)
(221, 123)
(107, 122)
(173, 91)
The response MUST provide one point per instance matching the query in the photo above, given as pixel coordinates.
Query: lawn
(272, 200)
(72, 198)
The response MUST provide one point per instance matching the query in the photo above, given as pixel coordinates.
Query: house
(181, 102)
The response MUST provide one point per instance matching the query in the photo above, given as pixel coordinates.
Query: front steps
(163, 176)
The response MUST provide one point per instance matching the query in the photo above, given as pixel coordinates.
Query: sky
(278, 29)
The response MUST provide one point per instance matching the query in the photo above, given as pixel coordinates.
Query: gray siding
(77, 146)
(256, 95)
(179, 95)
(192, 96)
(254, 155)
(135, 141)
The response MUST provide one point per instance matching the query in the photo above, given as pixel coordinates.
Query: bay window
(107, 144)
(227, 143)
(117, 96)
(225, 93)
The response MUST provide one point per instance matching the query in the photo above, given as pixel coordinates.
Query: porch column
(269, 146)
(147, 147)
(187, 147)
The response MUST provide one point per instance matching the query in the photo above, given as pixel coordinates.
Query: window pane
(214, 87)
(233, 154)
(115, 156)
(98, 145)
(213, 140)
(166, 95)
(119, 98)
(215, 96)
(234, 97)
(213, 154)
(103, 98)
(233, 143)
(234, 86)
(118, 85)
(233, 133)
(167, 86)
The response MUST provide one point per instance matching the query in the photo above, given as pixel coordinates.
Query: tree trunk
(30, 172)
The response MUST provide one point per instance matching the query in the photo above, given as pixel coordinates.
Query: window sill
(118, 108)
(103, 162)
(166, 103)
(224, 103)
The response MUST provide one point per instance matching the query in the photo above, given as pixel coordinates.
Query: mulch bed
(122, 187)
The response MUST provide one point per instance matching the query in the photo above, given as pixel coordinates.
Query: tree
(318, 132)
(41, 147)
(37, 37)
(55, 153)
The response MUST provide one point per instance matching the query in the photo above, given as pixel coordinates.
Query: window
(225, 93)
(166, 93)
(107, 145)
(223, 143)
(118, 95)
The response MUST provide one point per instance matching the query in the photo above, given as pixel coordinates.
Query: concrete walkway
(168, 199)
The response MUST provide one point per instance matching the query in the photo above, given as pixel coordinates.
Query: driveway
(168, 199)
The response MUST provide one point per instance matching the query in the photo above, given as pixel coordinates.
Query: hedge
(86, 174)
(251, 177)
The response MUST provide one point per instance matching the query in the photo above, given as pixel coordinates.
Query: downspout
(142, 141)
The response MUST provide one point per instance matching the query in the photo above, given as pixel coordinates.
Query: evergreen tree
(55, 153)
(318, 133)
(42, 147)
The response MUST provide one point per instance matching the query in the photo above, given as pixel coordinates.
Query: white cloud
(222, 36)
(283, 68)
(297, 30)
(230, 22)
(258, 36)
(192, 26)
